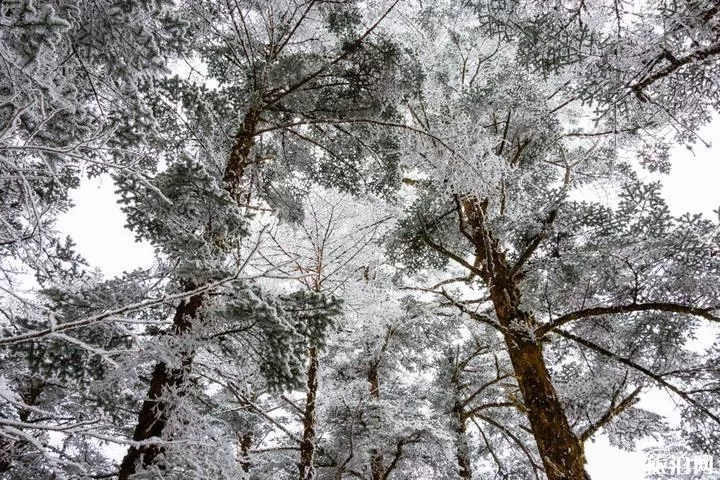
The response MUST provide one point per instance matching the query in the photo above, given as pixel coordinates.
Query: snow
(96, 225)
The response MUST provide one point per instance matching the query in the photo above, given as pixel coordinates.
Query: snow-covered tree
(500, 169)
(378, 253)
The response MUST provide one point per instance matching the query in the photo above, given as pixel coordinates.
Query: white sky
(96, 225)
(694, 182)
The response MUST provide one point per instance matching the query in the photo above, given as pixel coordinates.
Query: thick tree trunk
(240, 153)
(307, 447)
(561, 451)
(155, 410)
(462, 446)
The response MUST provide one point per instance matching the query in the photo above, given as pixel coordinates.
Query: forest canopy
(377, 251)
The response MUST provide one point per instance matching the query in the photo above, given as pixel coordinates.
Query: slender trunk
(463, 449)
(459, 418)
(156, 409)
(377, 461)
(245, 444)
(307, 447)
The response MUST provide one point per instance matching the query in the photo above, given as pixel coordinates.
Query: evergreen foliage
(379, 248)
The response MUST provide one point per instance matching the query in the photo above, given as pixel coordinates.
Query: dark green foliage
(186, 211)
(431, 218)
(279, 329)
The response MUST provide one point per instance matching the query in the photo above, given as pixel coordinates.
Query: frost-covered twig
(108, 315)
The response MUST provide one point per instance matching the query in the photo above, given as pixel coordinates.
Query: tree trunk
(155, 411)
(377, 461)
(561, 451)
(459, 418)
(307, 447)
(245, 444)
(239, 155)
(463, 451)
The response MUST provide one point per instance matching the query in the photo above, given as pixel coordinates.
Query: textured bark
(240, 154)
(155, 411)
(561, 451)
(459, 418)
(245, 444)
(377, 466)
(307, 447)
(463, 451)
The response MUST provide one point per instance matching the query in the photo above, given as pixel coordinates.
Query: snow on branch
(705, 313)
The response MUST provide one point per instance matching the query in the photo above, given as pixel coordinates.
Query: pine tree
(500, 168)
(279, 88)
(378, 255)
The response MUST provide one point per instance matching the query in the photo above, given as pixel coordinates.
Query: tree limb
(698, 55)
(612, 412)
(653, 376)
(632, 307)
(534, 243)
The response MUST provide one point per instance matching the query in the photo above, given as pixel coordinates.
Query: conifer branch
(485, 406)
(670, 307)
(506, 431)
(698, 55)
(259, 411)
(477, 392)
(474, 315)
(399, 451)
(648, 373)
(452, 255)
(133, 307)
(347, 51)
(534, 243)
(612, 412)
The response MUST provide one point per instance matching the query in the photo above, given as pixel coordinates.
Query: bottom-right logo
(680, 466)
